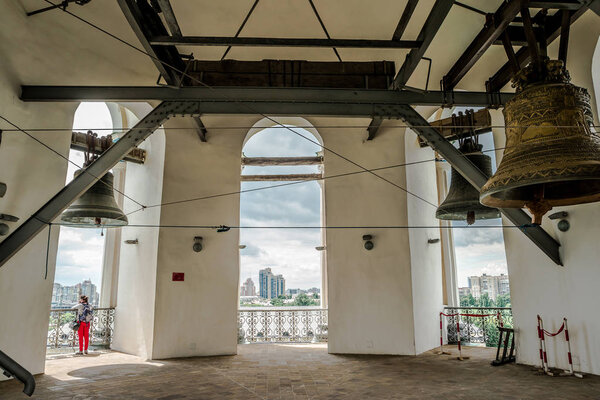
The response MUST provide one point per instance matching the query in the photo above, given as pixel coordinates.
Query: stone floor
(298, 372)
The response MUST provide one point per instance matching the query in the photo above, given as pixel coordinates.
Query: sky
(290, 252)
(480, 251)
(80, 250)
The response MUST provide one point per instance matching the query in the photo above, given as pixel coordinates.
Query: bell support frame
(47, 213)
(477, 178)
(52, 209)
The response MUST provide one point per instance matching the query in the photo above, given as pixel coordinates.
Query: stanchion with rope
(458, 315)
(442, 315)
(543, 355)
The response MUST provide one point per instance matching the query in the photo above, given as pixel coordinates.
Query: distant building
(494, 286)
(68, 296)
(464, 291)
(248, 288)
(294, 292)
(314, 290)
(270, 285)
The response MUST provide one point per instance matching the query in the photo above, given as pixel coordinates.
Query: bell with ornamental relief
(552, 156)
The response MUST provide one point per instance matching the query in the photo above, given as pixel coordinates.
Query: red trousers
(84, 334)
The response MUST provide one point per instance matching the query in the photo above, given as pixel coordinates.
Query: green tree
(303, 300)
(316, 296)
(277, 302)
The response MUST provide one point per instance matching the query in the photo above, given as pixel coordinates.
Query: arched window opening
(479, 254)
(280, 264)
(79, 262)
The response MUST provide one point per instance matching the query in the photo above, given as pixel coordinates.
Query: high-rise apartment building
(67, 296)
(494, 286)
(248, 288)
(270, 285)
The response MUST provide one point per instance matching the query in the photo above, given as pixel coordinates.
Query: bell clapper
(470, 217)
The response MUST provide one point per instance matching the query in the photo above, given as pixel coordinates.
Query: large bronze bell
(551, 158)
(96, 207)
(462, 202)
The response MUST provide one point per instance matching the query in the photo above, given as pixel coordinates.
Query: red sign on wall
(178, 276)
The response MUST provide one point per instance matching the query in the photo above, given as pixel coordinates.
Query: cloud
(290, 252)
(80, 254)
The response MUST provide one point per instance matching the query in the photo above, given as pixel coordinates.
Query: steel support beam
(373, 127)
(52, 209)
(145, 23)
(432, 25)
(409, 9)
(553, 28)
(170, 19)
(477, 178)
(282, 42)
(561, 5)
(492, 30)
(226, 100)
(144, 27)
(375, 124)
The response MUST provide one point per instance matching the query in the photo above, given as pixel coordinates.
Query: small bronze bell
(462, 202)
(96, 207)
(551, 156)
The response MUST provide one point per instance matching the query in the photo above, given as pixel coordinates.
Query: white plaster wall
(33, 175)
(426, 258)
(198, 317)
(369, 292)
(134, 313)
(538, 286)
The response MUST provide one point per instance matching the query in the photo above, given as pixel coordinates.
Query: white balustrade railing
(279, 324)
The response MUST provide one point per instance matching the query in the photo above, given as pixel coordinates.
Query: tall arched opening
(282, 262)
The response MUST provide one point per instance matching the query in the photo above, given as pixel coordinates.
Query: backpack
(86, 313)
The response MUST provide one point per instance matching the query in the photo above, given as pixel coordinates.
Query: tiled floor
(298, 372)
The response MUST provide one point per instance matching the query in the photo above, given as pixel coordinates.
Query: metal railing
(283, 325)
(476, 330)
(60, 333)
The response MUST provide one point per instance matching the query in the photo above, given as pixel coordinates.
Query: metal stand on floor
(506, 335)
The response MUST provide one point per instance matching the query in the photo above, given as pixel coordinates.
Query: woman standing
(84, 316)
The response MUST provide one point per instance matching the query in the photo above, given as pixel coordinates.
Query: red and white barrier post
(543, 347)
(442, 315)
(539, 334)
(571, 370)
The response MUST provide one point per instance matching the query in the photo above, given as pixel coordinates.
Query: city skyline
(66, 296)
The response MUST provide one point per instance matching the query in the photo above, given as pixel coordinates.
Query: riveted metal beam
(477, 178)
(434, 21)
(246, 100)
(493, 28)
(52, 209)
(553, 28)
(282, 42)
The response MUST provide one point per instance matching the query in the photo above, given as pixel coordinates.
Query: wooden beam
(493, 28)
(281, 161)
(282, 178)
(462, 125)
(404, 19)
(101, 144)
